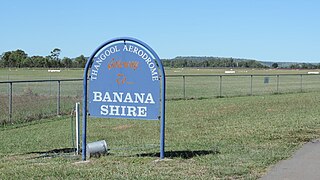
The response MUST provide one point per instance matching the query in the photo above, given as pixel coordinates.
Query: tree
(67, 62)
(205, 63)
(27, 62)
(39, 61)
(5, 58)
(20, 55)
(80, 61)
(14, 58)
(1, 62)
(55, 53)
(47, 62)
(275, 65)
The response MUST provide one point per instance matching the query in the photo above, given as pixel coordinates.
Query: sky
(266, 30)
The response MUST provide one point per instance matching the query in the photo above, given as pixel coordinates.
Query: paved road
(304, 165)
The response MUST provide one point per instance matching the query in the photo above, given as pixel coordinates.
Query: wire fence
(23, 101)
(209, 86)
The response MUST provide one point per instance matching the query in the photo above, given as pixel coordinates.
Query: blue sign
(124, 83)
(126, 80)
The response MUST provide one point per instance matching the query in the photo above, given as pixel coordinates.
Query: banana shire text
(110, 103)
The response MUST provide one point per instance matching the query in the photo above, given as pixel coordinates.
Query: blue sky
(274, 30)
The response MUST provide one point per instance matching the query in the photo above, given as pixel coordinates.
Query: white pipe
(77, 128)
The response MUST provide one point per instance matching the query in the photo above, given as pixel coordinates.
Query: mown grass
(228, 138)
(42, 73)
(32, 101)
(38, 73)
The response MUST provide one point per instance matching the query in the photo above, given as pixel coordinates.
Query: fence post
(277, 83)
(10, 102)
(220, 86)
(301, 82)
(251, 76)
(58, 99)
(184, 87)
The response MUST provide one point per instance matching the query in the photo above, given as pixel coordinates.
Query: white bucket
(97, 148)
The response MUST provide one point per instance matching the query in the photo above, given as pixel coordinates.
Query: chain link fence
(210, 86)
(23, 101)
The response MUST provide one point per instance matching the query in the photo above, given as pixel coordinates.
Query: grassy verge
(211, 138)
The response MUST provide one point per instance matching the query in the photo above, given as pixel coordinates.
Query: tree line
(305, 66)
(207, 62)
(216, 62)
(20, 59)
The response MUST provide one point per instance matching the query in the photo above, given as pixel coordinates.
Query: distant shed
(313, 72)
(54, 70)
(229, 72)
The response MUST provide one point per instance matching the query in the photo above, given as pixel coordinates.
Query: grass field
(36, 73)
(225, 138)
(206, 137)
(32, 101)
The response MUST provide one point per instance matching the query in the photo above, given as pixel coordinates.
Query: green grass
(33, 101)
(41, 73)
(38, 73)
(226, 138)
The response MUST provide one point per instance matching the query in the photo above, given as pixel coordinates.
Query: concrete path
(304, 165)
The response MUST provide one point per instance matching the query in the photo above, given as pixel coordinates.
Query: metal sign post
(126, 80)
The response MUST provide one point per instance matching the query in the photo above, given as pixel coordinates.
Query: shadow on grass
(181, 154)
(64, 152)
(55, 151)
(188, 154)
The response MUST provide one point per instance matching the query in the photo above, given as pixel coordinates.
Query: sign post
(126, 80)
